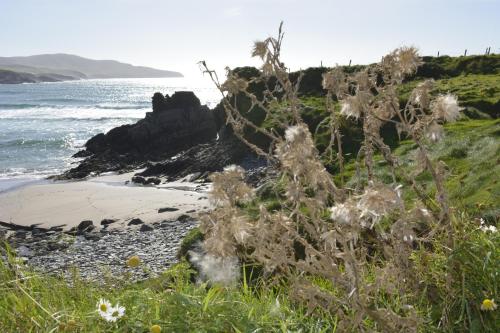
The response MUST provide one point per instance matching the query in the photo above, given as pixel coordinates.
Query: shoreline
(15, 183)
(110, 196)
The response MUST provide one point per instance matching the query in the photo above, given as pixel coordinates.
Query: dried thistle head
(234, 84)
(228, 186)
(399, 63)
(408, 59)
(356, 106)
(377, 201)
(260, 49)
(434, 132)
(298, 145)
(363, 80)
(345, 213)
(421, 94)
(335, 81)
(387, 106)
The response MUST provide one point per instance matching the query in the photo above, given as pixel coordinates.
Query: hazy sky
(176, 34)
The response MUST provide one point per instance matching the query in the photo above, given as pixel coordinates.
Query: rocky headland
(15, 77)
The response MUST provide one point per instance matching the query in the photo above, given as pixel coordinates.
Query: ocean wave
(105, 106)
(18, 106)
(74, 112)
(13, 173)
(121, 107)
(53, 119)
(36, 143)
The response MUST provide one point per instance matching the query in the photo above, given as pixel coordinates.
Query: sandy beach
(105, 197)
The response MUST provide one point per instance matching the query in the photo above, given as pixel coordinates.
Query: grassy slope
(474, 90)
(470, 151)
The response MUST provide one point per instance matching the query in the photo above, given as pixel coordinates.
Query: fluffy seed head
(434, 132)
(377, 201)
(446, 107)
(220, 270)
(350, 107)
(294, 133)
(344, 213)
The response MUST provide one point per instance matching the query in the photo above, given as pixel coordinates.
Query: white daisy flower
(116, 313)
(103, 307)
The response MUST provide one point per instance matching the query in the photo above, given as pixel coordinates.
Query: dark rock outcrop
(179, 138)
(201, 159)
(178, 122)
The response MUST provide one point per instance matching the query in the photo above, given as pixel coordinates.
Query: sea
(43, 124)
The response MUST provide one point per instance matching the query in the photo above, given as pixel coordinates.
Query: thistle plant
(326, 229)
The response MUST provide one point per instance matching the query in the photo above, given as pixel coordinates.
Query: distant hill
(76, 67)
(13, 77)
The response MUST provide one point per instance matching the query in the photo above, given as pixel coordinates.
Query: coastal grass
(469, 152)
(34, 302)
(478, 91)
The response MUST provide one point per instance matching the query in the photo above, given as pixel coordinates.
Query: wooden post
(465, 53)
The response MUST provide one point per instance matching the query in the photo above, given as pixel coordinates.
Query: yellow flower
(133, 261)
(155, 329)
(488, 305)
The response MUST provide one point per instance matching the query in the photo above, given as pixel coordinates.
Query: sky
(175, 35)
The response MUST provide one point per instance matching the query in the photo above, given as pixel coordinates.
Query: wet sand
(105, 197)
